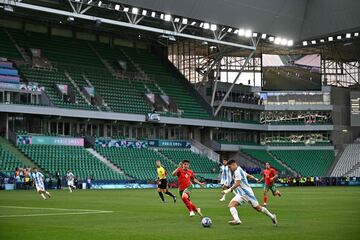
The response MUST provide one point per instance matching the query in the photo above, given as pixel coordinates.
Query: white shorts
(70, 183)
(250, 199)
(40, 188)
(224, 183)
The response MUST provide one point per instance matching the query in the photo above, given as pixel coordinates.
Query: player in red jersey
(269, 174)
(185, 177)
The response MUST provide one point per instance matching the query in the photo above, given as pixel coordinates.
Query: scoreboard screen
(355, 108)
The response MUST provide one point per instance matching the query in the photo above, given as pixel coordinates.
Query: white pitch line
(60, 209)
(52, 214)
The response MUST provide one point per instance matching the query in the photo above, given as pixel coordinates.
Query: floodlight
(313, 41)
(126, 9)
(290, 43)
(338, 37)
(144, 12)
(322, 40)
(356, 34)
(236, 31)
(263, 36)
(283, 41)
(193, 23)
(254, 34)
(271, 39)
(117, 7)
(229, 30)
(167, 17)
(90, 1)
(213, 27)
(184, 21)
(135, 11)
(162, 16)
(153, 14)
(348, 35)
(248, 33)
(99, 3)
(177, 19)
(330, 39)
(305, 43)
(206, 25)
(277, 40)
(241, 32)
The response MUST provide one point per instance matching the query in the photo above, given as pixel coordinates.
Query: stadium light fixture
(248, 33)
(322, 40)
(162, 16)
(338, 37)
(283, 41)
(144, 12)
(206, 25)
(99, 3)
(229, 30)
(77, 0)
(153, 14)
(330, 39)
(348, 35)
(184, 21)
(117, 7)
(263, 36)
(177, 20)
(213, 27)
(356, 34)
(236, 31)
(193, 23)
(313, 42)
(305, 43)
(90, 1)
(255, 34)
(289, 43)
(277, 40)
(241, 32)
(271, 38)
(201, 24)
(126, 9)
(167, 17)
(135, 11)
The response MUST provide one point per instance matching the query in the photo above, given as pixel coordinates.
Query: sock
(170, 194)
(47, 193)
(193, 207)
(43, 196)
(187, 203)
(70, 189)
(223, 196)
(161, 196)
(265, 199)
(234, 213)
(266, 212)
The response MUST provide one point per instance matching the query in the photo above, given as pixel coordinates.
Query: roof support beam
(124, 24)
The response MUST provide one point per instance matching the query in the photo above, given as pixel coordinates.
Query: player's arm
(195, 180)
(175, 172)
(261, 179)
(274, 177)
(233, 187)
(252, 177)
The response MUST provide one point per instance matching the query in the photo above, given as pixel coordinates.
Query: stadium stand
(307, 162)
(8, 161)
(60, 158)
(7, 48)
(263, 156)
(348, 160)
(139, 163)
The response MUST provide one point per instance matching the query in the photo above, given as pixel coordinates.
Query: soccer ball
(206, 222)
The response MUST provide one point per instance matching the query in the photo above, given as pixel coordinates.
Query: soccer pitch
(303, 213)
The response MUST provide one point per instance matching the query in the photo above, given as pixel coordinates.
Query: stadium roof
(294, 19)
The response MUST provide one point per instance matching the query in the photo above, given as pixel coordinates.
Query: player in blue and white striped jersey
(38, 181)
(225, 178)
(244, 194)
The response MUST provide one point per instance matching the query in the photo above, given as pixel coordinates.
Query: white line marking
(60, 209)
(53, 214)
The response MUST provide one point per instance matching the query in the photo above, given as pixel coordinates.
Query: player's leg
(266, 190)
(190, 206)
(41, 192)
(69, 186)
(275, 191)
(264, 210)
(167, 192)
(161, 195)
(232, 208)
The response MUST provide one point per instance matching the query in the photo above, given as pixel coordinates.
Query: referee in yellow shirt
(162, 182)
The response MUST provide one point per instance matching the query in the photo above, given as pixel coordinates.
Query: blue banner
(169, 144)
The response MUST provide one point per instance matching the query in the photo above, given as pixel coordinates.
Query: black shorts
(162, 184)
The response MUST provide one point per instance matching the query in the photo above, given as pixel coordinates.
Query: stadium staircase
(11, 157)
(284, 164)
(105, 161)
(53, 158)
(348, 160)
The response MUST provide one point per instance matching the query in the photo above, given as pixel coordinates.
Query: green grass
(303, 213)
